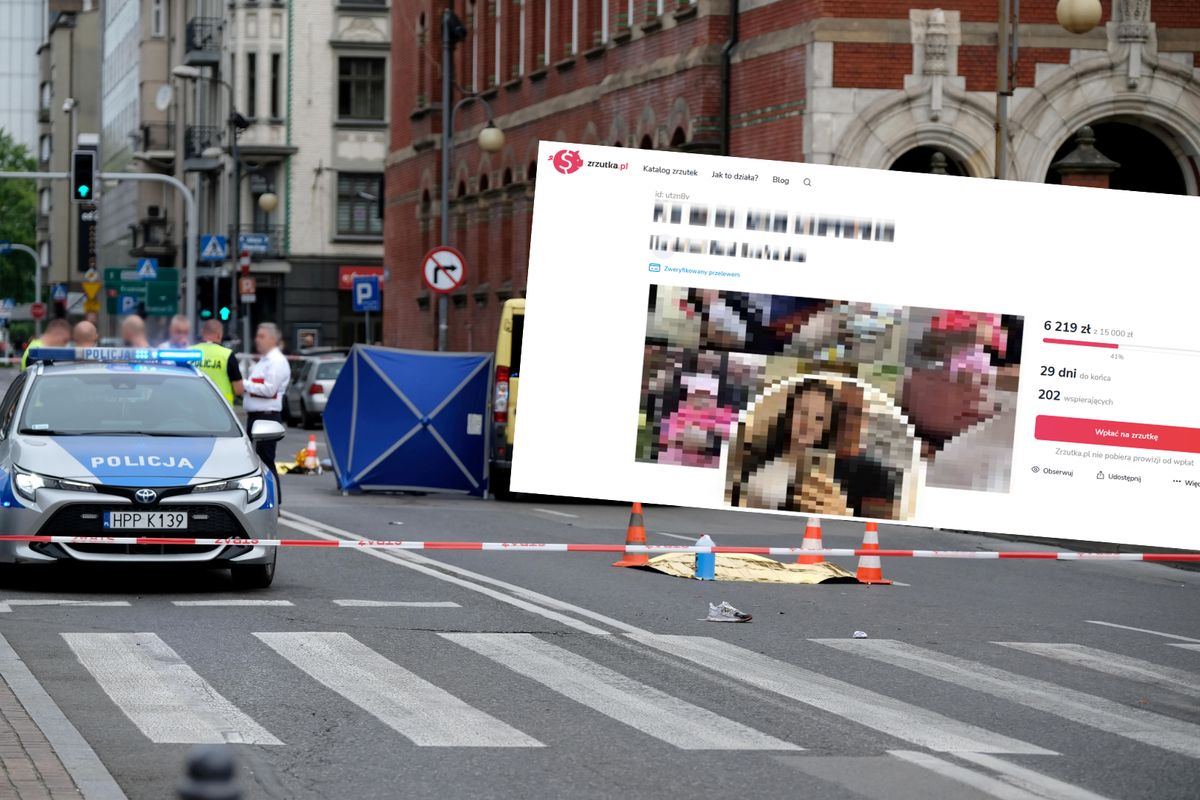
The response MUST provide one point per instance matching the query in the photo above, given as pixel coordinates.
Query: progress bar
(1178, 351)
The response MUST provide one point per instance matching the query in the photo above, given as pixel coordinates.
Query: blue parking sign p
(128, 304)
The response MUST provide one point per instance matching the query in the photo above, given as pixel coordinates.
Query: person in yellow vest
(218, 362)
(58, 334)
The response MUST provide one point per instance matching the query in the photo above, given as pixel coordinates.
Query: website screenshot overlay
(799, 338)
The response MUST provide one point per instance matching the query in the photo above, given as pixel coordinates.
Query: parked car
(308, 391)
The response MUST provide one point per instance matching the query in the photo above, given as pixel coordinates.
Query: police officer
(58, 334)
(265, 388)
(218, 362)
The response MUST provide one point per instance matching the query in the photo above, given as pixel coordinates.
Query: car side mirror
(267, 430)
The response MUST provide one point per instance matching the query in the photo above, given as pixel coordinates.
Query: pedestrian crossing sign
(147, 268)
(213, 248)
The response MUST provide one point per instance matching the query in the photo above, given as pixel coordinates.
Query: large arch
(901, 121)
(1166, 101)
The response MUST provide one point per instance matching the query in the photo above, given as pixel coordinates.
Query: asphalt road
(383, 675)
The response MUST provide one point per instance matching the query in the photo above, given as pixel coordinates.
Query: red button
(1117, 434)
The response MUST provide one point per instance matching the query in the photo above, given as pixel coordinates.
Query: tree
(18, 218)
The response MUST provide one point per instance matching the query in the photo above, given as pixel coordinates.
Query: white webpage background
(1101, 257)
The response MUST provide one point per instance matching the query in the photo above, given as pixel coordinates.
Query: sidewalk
(29, 767)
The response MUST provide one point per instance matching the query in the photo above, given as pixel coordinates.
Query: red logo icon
(566, 161)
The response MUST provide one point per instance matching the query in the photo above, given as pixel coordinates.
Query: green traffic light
(83, 191)
(205, 313)
(224, 312)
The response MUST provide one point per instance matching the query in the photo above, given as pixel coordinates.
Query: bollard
(706, 563)
(210, 775)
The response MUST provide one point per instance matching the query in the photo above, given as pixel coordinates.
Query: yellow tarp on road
(752, 568)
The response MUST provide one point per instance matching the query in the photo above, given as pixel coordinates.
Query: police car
(98, 442)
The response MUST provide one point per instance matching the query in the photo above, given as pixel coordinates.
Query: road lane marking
(675, 536)
(77, 756)
(1142, 630)
(1134, 669)
(526, 599)
(396, 603)
(1156, 730)
(6, 606)
(896, 718)
(1041, 785)
(644, 708)
(557, 513)
(160, 693)
(408, 704)
(1015, 784)
(233, 603)
(1185, 646)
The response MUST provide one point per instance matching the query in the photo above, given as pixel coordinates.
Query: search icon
(808, 181)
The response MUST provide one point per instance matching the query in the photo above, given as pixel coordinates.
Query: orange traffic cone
(812, 541)
(869, 568)
(635, 535)
(310, 457)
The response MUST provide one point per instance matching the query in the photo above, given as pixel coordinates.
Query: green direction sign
(161, 296)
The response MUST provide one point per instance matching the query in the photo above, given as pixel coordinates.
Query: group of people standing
(261, 391)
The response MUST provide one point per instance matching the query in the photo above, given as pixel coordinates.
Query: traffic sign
(258, 243)
(444, 269)
(366, 294)
(244, 262)
(147, 269)
(213, 248)
(6, 307)
(91, 306)
(91, 285)
(37, 310)
(127, 304)
(5, 248)
(58, 293)
(248, 288)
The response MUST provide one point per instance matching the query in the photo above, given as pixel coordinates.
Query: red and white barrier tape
(648, 549)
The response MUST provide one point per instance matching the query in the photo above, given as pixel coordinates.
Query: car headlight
(251, 484)
(27, 484)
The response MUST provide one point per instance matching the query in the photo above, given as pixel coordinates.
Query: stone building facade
(870, 83)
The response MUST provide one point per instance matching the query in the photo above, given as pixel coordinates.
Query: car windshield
(120, 402)
(328, 370)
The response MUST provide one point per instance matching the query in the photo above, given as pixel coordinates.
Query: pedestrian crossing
(170, 701)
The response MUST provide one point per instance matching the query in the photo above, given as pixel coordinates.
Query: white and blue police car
(104, 442)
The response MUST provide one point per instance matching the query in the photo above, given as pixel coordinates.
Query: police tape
(563, 547)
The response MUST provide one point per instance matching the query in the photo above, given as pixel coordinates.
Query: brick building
(888, 84)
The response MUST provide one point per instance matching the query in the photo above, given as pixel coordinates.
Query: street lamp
(491, 140)
(1075, 16)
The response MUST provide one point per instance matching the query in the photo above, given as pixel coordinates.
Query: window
(46, 203)
(251, 85)
(9, 406)
(158, 19)
(44, 147)
(361, 89)
(46, 95)
(276, 77)
(44, 254)
(358, 205)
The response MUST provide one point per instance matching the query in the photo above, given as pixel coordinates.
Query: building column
(1085, 165)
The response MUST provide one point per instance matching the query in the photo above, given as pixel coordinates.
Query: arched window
(678, 139)
(647, 143)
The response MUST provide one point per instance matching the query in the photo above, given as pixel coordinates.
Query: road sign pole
(37, 280)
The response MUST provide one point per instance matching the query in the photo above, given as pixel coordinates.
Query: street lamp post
(1075, 16)
(491, 140)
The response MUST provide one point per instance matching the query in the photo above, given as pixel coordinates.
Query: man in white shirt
(265, 388)
(180, 333)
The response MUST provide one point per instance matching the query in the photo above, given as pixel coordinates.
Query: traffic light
(205, 314)
(83, 176)
(224, 313)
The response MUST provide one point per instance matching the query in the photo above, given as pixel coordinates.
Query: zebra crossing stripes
(159, 693)
(635, 704)
(1135, 669)
(1097, 712)
(420, 711)
(896, 718)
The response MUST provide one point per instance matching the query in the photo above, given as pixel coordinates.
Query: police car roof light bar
(119, 355)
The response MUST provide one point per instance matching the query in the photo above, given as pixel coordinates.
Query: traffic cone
(869, 568)
(310, 457)
(636, 534)
(812, 541)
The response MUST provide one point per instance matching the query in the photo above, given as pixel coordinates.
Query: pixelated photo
(828, 406)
